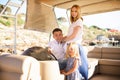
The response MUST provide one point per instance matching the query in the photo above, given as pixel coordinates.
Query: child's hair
(56, 30)
(76, 49)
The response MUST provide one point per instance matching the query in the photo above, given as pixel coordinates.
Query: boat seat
(19, 67)
(92, 64)
(105, 77)
(49, 70)
(109, 66)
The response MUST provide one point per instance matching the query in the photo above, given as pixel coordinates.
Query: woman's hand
(64, 39)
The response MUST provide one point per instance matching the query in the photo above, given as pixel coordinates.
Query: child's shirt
(75, 75)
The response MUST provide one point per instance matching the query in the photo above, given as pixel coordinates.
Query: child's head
(72, 50)
(57, 34)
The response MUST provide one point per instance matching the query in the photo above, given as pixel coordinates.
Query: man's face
(58, 36)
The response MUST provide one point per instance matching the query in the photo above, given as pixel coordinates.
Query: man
(56, 47)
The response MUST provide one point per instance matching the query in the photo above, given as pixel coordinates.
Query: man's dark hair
(56, 30)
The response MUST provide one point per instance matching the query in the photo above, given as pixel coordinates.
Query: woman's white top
(78, 37)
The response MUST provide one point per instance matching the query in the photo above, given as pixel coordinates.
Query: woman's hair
(76, 49)
(78, 13)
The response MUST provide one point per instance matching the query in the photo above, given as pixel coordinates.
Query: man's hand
(49, 50)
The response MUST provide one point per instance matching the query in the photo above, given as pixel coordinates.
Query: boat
(104, 62)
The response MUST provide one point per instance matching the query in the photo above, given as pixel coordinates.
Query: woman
(75, 30)
(75, 33)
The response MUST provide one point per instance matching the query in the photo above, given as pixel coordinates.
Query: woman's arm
(72, 36)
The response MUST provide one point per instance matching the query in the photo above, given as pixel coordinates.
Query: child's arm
(75, 66)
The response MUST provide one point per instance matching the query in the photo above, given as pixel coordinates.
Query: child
(73, 61)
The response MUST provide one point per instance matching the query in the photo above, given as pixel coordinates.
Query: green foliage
(10, 21)
(90, 33)
(20, 22)
(5, 22)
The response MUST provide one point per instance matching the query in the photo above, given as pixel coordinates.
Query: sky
(22, 10)
(103, 20)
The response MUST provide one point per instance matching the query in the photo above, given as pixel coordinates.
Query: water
(109, 45)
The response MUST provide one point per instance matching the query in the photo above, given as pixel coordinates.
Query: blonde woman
(73, 61)
(75, 34)
(75, 30)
